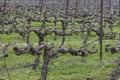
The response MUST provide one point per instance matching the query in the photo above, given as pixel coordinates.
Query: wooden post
(101, 30)
(67, 5)
(119, 14)
(76, 7)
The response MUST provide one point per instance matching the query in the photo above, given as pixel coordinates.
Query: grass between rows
(65, 67)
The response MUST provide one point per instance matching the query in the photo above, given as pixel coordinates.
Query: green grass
(65, 67)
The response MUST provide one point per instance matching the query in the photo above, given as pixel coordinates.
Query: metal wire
(59, 68)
